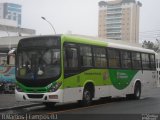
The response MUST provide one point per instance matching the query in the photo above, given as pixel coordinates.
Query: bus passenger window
(126, 59)
(70, 58)
(114, 59)
(152, 62)
(145, 61)
(86, 56)
(136, 60)
(100, 59)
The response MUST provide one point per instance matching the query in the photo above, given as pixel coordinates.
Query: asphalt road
(148, 104)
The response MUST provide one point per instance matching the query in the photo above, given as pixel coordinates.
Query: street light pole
(49, 23)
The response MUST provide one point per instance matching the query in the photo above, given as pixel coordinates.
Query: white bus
(64, 68)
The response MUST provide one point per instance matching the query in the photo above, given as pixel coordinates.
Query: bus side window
(152, 62)
(86, 56)
(126, 59)
(100, 60)
(70, 58)
(145, 61)
(136, 60)
(114, 58)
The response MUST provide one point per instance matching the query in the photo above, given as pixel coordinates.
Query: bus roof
(99, 41)
(106, 43)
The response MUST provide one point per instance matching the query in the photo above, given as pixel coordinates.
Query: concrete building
(10, 12)
(7, 43)
(119, 20)
(6, 30)
(10, 21)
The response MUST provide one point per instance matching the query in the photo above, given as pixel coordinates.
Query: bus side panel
(72, 89)
(74, 85)
(149, 81)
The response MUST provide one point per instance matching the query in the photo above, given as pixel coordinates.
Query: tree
(150, 45)
(157, 45)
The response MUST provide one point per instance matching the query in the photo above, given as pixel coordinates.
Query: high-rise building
(119, 20)
(10, 21)
(11, 13)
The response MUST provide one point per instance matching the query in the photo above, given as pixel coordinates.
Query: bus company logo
(121, 75)
(150, 117)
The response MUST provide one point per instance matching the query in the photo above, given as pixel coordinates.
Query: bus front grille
(35, 95)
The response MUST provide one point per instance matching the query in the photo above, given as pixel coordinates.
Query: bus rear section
(106, 70)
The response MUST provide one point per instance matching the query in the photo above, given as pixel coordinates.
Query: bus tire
(137, 91)
(49, 104)
(87, 97)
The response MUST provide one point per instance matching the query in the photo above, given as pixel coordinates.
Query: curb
(18, 107)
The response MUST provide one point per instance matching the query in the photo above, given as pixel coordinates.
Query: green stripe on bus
(121, 78)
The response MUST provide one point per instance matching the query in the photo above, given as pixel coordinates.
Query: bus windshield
(38, 62)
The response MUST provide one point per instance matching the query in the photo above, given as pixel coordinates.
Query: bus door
(71, 71)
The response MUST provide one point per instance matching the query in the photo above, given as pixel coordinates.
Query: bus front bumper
(40, 97)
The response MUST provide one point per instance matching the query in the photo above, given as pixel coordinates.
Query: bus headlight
(55, 87)
(18, 89)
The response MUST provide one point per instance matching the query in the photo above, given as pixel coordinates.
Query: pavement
(8, 102)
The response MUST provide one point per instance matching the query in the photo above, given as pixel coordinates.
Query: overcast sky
(81, 16)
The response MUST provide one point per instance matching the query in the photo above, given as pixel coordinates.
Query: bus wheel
(137, 91)
(49, 104)
(87, 97)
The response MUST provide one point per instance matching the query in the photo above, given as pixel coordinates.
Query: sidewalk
(8, 101)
